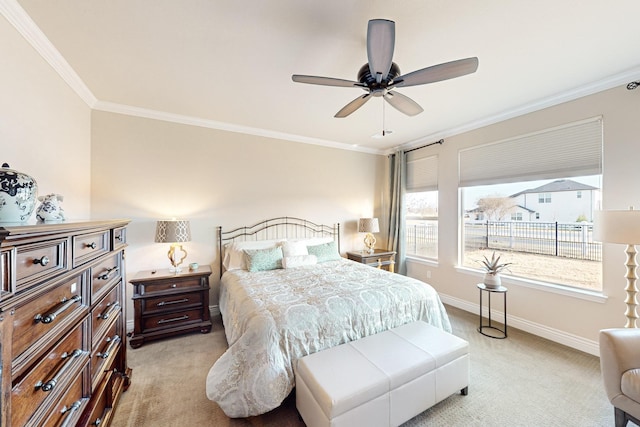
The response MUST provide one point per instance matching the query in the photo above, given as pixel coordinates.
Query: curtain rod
(424, 146)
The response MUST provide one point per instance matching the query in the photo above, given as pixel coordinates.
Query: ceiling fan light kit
(381, 75)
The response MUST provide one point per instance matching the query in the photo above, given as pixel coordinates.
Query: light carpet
(523, 381)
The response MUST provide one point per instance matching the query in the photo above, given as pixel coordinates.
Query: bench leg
(464, 391)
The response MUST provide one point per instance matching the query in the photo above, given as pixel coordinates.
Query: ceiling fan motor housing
(365, 77)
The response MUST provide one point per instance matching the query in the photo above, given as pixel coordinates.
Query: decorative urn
(18, 192)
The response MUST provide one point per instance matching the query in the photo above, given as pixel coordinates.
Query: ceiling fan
(380, 75)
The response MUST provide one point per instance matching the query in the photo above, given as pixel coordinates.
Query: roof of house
(557, 185)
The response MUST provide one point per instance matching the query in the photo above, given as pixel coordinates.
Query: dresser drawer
(68, 410)
(7, 273)
(90, 246)
(104, 275)
(172, 302)
(104, 350)
(40, 261)
(49, 376)
(39, 320)
(119, 238)
(172, 319)
(162, 286)
(105, 311)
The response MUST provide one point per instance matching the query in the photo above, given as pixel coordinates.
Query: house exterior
(562, 200)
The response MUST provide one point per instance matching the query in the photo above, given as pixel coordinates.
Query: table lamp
(174, 232)
(369, 226)
(622, 227)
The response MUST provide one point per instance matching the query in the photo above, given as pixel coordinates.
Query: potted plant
(492, 268)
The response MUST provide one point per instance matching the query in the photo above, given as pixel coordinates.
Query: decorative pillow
(295, 248)
(299, 261)
(325, 252)
(263, 259)
(234, 252)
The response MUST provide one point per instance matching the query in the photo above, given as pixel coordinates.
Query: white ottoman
(383, 379)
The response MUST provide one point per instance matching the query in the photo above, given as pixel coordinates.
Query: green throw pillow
(325, 252)
(263, 259)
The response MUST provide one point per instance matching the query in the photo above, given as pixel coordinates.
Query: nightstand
(167, 303)
(380, 258)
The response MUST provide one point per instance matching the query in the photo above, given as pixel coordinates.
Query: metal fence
(569, 240)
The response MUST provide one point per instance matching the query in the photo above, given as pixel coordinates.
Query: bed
(286, 293)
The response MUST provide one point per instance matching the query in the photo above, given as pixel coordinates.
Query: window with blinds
(421, 204)
(532, 198)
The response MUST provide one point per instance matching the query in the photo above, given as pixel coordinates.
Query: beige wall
(565, 318)
(147, 170)
(44, 125)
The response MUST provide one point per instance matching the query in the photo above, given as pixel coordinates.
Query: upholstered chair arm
(619, 352)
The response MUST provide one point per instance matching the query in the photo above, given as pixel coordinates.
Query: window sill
(595, 296)
(424, 261)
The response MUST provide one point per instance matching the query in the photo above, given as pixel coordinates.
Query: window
(579, 194)
(548, 246)
(421, 205)
(516, 216)
(544, 198)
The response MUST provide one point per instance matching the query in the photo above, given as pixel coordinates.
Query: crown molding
(22, 22)
(129, 110)
(566, 96)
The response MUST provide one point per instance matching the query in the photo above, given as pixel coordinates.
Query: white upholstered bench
(383, 379)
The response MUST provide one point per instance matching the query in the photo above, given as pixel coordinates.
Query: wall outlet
(428, 274)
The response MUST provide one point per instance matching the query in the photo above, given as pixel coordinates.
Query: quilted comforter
(272, 318)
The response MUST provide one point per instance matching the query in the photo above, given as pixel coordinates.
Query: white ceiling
(228, 64)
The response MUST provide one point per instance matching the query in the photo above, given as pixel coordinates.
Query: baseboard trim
(543, 331)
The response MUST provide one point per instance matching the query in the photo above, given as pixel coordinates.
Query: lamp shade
(172, 231)
(368, 225)
(621, 226)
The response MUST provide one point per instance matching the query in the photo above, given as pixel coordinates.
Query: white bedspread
(272, 318)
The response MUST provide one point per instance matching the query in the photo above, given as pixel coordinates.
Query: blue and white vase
(18, 192)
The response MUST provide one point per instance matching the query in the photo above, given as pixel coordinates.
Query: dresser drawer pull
(91, 245)
(65, 304)
(110, 309)
(42, 261)
(179, 301)
(118, 237)
(107, 274)
(71, 409)
(114, 342)
(97, 422)
(49, 385)
(175, 319)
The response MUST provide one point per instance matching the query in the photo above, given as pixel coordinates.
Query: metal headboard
(278, 228)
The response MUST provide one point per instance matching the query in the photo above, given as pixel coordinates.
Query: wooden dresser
(62, 323)
(166, 303)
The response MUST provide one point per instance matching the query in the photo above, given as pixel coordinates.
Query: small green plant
(494, 266)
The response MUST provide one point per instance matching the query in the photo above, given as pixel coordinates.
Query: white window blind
(422, 172)
(565, 151)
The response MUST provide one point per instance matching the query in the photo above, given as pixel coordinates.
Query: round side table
(498, 333)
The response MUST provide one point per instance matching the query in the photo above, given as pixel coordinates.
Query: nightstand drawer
(178, 284)
(164, 303)
(173, 319)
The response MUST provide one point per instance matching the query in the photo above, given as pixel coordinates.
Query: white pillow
(298, 261)
(313, 241)
(294, 248)
(234, 252)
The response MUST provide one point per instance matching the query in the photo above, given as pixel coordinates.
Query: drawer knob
(92, 245)
(174, 285)
(119, 237)
(42, 261)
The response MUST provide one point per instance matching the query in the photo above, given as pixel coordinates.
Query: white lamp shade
(617, 226)
(173, 231)
(368, 225)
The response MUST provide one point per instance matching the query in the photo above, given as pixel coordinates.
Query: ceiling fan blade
(381, 38)
(436, 73)
(325, 81)
(403, 103)
(353, 106)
